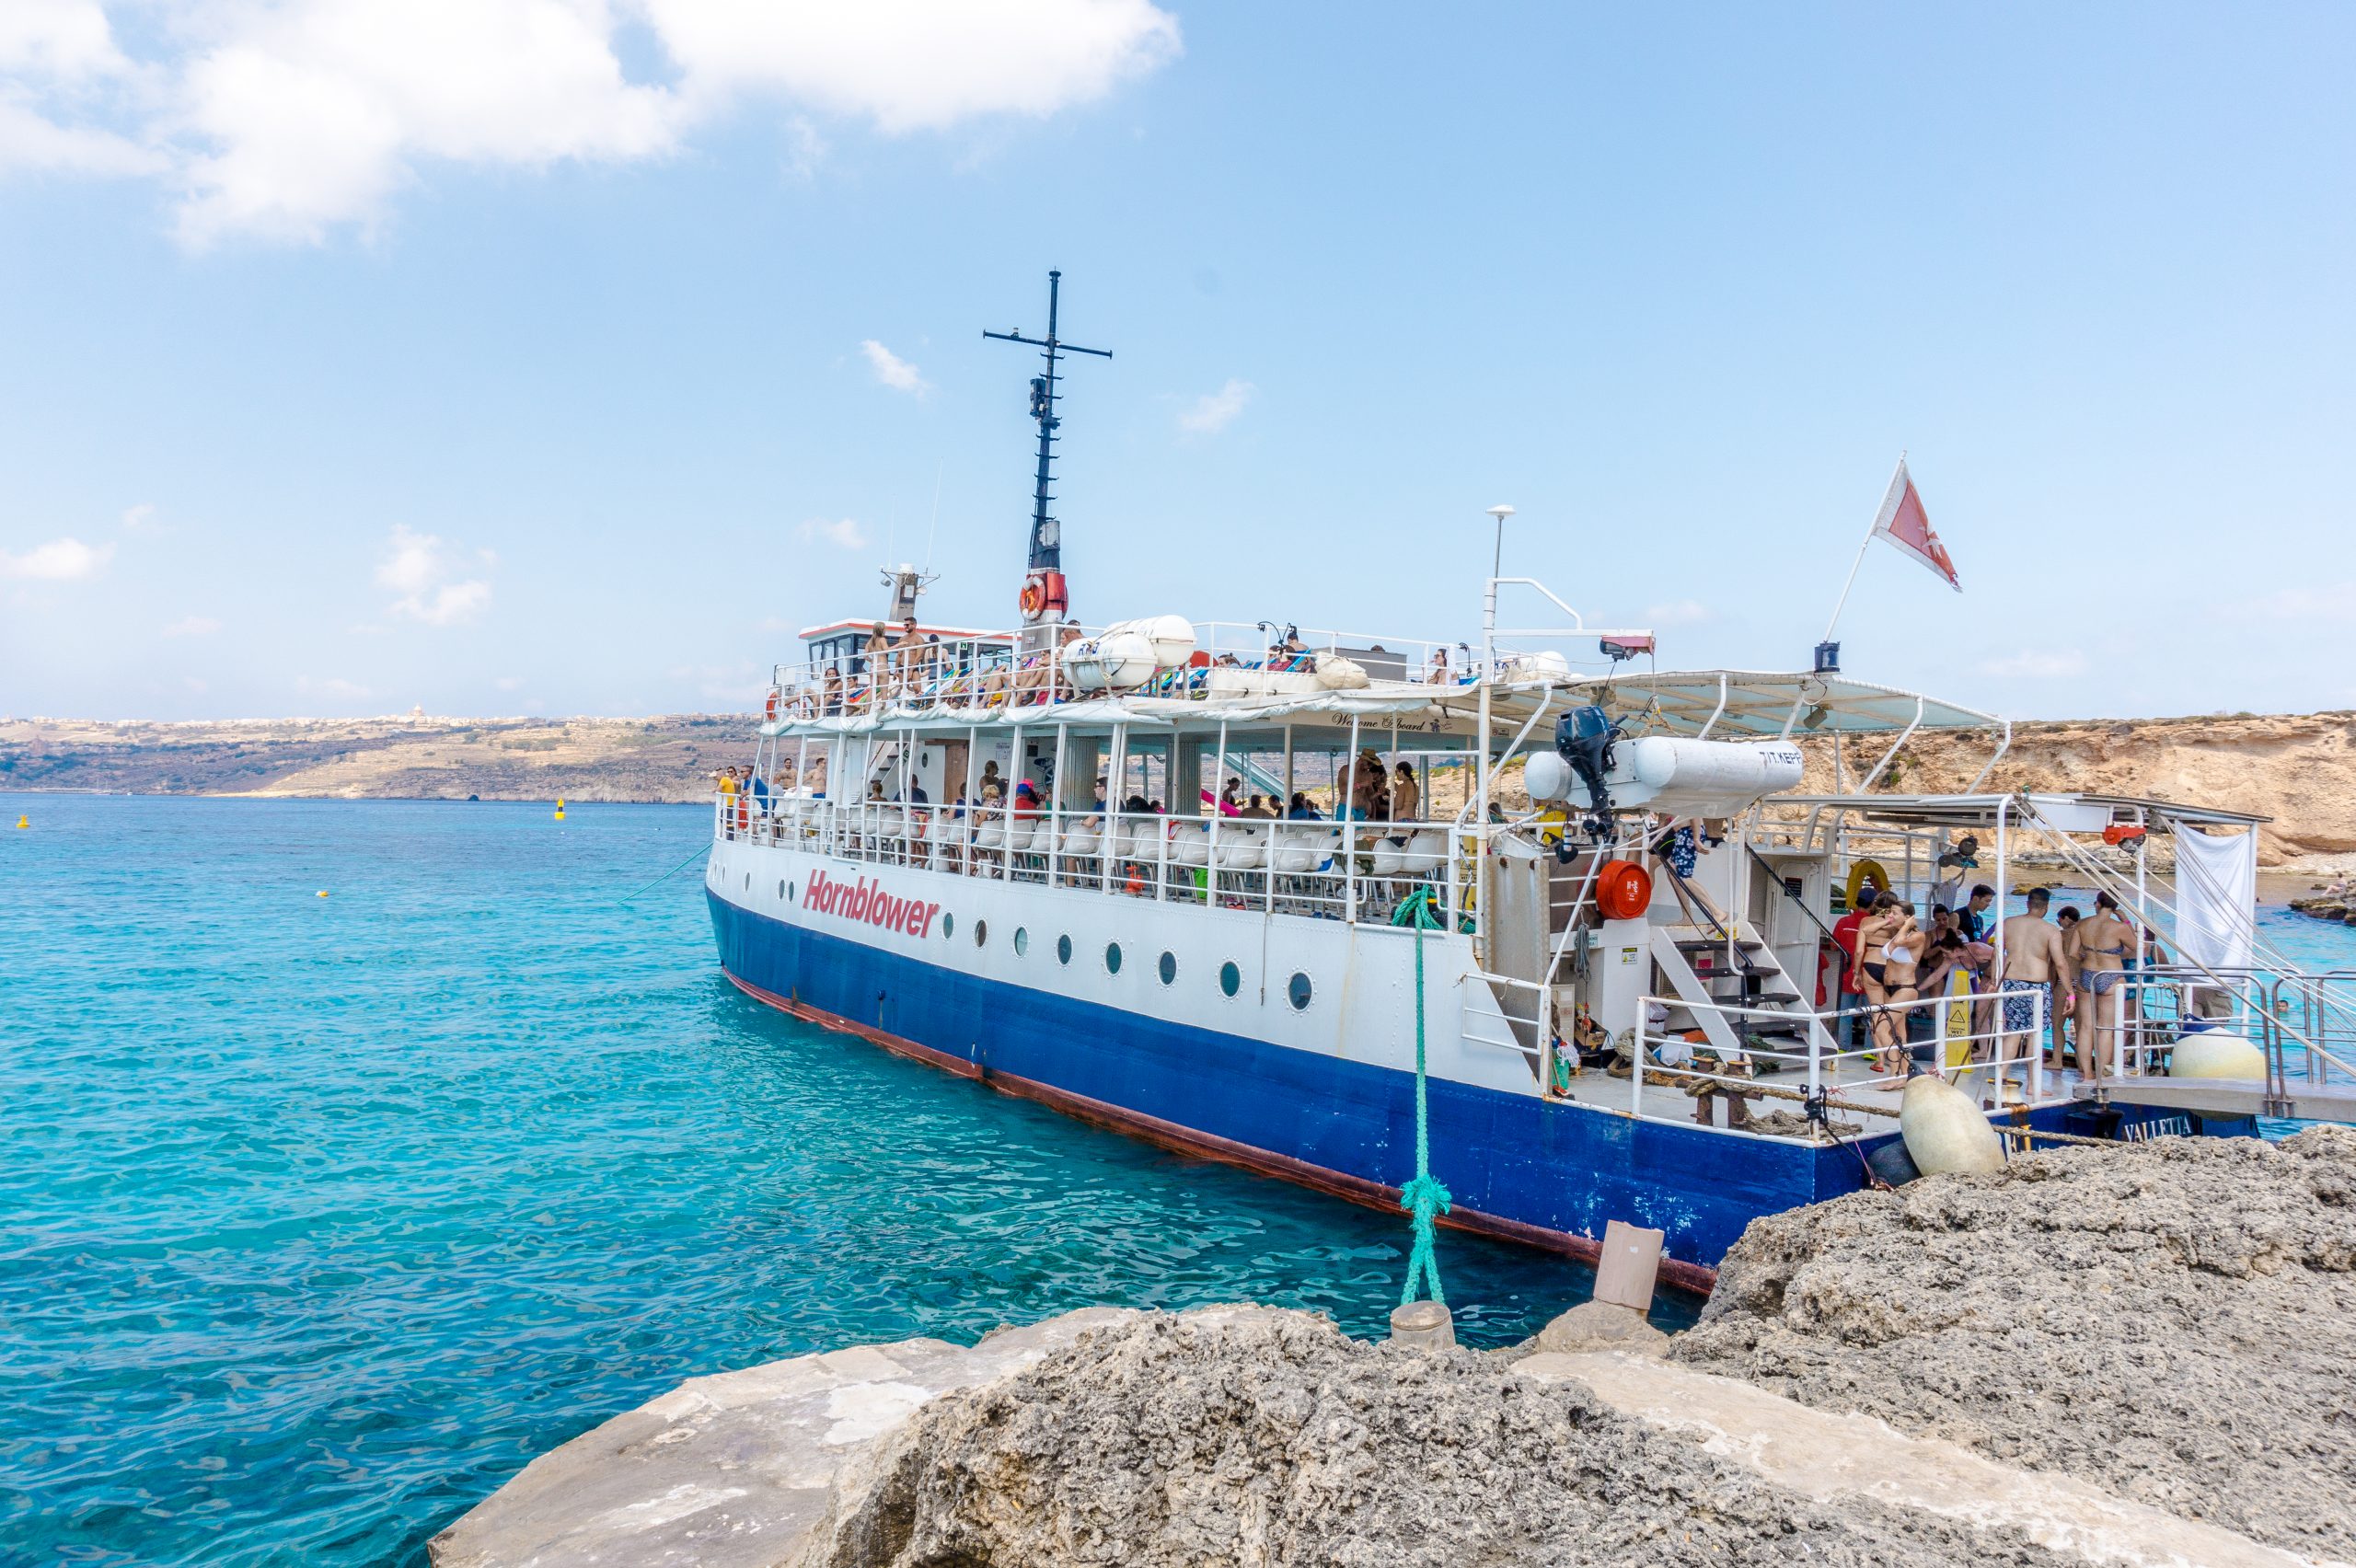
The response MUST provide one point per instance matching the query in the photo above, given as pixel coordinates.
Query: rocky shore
(2129, 1355)
(2341, 910)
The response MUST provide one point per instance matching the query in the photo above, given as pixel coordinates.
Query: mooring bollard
(1425, 1323)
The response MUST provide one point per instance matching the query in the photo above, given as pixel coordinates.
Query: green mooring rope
(1424, 1198)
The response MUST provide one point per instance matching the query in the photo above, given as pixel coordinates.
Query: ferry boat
(1591, 898)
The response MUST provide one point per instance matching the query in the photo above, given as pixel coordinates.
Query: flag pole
(1865, 544)
(1843, 603)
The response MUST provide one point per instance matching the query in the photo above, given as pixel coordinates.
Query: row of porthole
(1298, 991)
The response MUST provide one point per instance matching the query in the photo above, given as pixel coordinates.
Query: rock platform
(2084, 1358)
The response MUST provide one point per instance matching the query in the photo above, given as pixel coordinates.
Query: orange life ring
(1034, 599)
(1623, 890)
(772, 702)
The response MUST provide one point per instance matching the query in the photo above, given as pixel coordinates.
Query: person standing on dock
(2035, 970)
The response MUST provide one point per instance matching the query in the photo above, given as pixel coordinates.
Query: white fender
(1945, 1130)
(2216, 1054)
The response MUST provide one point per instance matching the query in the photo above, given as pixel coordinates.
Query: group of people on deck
(2065, 973)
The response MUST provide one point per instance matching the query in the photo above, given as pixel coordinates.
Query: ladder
(1725, 964)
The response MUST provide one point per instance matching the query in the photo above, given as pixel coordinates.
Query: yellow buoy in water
(1944, 1130)
(323, 893)
(24, 822)
(2214, 1054)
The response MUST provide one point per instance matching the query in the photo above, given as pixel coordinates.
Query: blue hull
(1519, 1166)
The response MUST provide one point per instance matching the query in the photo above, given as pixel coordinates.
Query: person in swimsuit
(2035, 966)
(1902, 956)
(1874, 937)
(2104, 941)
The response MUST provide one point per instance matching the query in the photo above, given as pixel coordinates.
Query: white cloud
(1214, 411)
(2332, 602)
(1677, 612)
(58, 61)
(289, 118)
(843, 533)
(509, 683)
(60, 560)
(138, 518)
(423, 575)
(892, 370)
(192, 626)
(37, 144)
(335, 686)
(2037, 663)
(916, 65)
(64, 38)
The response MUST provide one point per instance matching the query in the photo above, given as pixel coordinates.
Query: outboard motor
(1584, 737)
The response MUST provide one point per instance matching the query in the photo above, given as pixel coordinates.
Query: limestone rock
(1600, 1325)
(2175, 1321)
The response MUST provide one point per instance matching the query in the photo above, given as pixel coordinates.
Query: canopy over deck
(2067, 812)
(1752, 704)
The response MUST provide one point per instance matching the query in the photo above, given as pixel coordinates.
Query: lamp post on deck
(1481, 757)
(1497, 560)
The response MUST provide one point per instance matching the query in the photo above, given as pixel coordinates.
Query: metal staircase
(1724, 964)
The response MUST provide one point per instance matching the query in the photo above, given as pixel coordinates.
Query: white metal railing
(1829, 1072)
(1345, 871)
(994, 671)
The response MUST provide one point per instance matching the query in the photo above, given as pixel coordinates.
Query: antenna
(1044, 595)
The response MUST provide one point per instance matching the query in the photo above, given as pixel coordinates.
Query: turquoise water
(318, 1217)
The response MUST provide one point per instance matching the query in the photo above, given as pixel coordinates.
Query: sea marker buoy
(323, 893)
(24, 822)
(2216, 1054)
(1944, 1130)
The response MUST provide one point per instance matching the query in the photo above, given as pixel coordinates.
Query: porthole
(948, 927)
(791, 893)
(981, 932)
(1063, 949)
(1022, 941)
(1298, 991)
(1230, 979)
(780, 889)
(1169, 967)
(748, 881)
(1111, 958)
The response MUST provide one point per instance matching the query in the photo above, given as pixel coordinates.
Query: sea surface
(319, 1215)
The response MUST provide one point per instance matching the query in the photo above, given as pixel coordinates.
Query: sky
(567, 356)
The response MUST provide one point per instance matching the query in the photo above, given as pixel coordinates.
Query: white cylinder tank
(1677, 775)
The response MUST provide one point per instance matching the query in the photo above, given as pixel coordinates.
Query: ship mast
(1045, 597)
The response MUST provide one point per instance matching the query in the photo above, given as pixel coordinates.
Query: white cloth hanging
(2216, 897)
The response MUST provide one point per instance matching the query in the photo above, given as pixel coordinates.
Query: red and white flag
(1904, 523)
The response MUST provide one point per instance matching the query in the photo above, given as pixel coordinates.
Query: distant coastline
(2298, 770)
(665, 759)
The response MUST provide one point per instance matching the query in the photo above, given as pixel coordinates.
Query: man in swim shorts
(2036, 969)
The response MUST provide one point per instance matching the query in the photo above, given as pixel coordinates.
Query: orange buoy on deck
(1623, 890)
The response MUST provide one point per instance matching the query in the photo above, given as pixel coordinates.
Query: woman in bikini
(2104, 939)
(1901, 957)
(1874, 936)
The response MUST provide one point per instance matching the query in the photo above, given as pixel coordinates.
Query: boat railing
(1839, 1082)
(1360, 871)
(994, 672)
